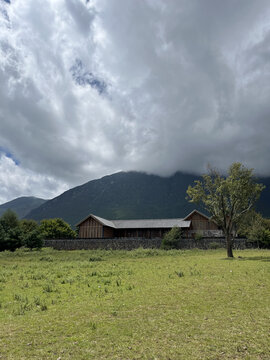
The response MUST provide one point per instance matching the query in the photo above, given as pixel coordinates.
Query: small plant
(48, 288)
(93, 325)
(172, 239)
(18, 297)
(195, 272)
(46, 258)
(23, 307)
(3, 279)
(179, 273)
(95, 258)
(198, 236)
(43, 307)
(67, 281)
(37, 301)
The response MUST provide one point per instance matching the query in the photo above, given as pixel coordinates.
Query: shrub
(33, 240)
(56, 229)
(28, 226)
(95, 258)
(260, 237)
(10, 233)
(172, 239)
(198, 236)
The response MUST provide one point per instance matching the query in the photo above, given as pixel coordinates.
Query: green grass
(142, 304)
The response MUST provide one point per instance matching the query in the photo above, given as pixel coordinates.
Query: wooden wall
(108, 232)
(91, 228)
(140, 233)
(199, 222)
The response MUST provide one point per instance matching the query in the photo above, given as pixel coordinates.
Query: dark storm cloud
(90, 88)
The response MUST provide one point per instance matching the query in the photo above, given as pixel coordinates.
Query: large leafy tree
(31, 234)
(56, 229)
(227, 198)
(10, 233)
(256, 229)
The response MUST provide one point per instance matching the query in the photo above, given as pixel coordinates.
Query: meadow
(141, 304)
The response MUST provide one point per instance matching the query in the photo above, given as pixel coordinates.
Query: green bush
(10, 233)
(172, 239)
(56, 229)
(33, 240)
(198, 236)
(260, 237)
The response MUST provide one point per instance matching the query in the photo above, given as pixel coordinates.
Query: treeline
(253, 227)
(15, 233)
(256, 229)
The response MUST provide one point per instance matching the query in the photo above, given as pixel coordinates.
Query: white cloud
(187, 84)
(16, 181)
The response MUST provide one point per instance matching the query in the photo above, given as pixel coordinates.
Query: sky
(90, 88)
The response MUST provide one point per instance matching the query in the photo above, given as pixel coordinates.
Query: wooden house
(202, 224)
(94, 227)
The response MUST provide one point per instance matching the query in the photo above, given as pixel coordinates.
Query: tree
(171, 238)
(28, 225)
(9, 220)
(56, 229)
(10, 234)
(31, 234)
(3, 239)
(256, 229)
(33, 239)
(227, 198)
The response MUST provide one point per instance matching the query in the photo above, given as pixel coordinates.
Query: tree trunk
(229, 246)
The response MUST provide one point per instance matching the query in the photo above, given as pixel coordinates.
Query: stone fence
(134, 243)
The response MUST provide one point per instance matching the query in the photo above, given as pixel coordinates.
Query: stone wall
(134, 243)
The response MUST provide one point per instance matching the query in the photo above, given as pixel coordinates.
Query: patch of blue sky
(83, 77)
(4, 12)
(6, 1)
(8, 154)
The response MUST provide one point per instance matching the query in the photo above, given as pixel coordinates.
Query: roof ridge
(147, 219)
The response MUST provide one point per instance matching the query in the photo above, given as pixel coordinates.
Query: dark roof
(140, 224)
(196, 211)
(150, 223)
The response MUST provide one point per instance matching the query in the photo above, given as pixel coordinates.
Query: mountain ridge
(129, 195)
(22, 205)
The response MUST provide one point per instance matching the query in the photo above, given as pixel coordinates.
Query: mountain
(124, 195)
(22, 205)
(263, 204)
(128, 195)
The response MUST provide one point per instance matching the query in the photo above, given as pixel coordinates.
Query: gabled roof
(104, 221)
(139, 224)
(198, 212)
(150, 223)
(99, 219)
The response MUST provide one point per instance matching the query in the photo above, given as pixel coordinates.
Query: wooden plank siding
(141, 233)
(95, 227)
(200, 222)
(91, 228)
(108, 232)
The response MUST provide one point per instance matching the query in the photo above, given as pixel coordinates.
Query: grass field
(142, 304)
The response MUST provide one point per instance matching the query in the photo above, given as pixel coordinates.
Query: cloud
(20, 182)
(93, 87)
